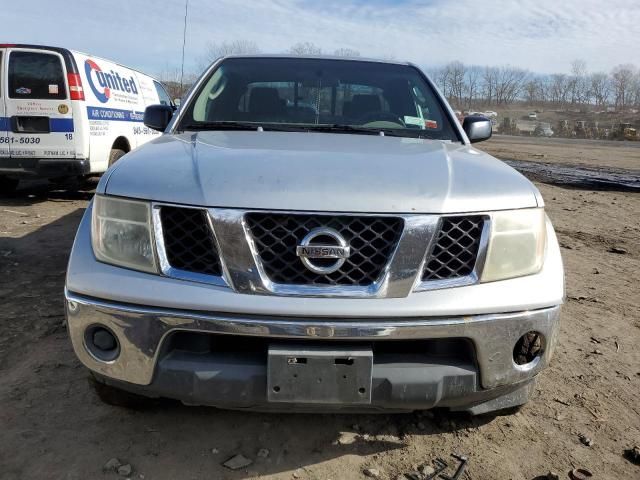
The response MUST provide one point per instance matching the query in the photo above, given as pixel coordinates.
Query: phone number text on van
(21, 140)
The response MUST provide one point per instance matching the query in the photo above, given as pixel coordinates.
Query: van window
(36, 76)
(162, 94)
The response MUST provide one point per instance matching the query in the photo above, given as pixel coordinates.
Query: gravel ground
(54, 427)
(592, 153)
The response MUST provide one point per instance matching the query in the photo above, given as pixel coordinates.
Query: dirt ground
(52, 426)
(591, 153)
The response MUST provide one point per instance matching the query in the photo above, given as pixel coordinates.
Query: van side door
(38, 106)
(4, 121)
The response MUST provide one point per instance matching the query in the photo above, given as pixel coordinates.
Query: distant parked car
(490, 114)
(533, 116)
(543, 130)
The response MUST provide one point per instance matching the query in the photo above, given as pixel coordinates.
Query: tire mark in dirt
(596, 178)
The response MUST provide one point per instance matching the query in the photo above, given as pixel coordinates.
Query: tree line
(470, 87)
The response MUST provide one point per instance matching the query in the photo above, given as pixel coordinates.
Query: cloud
(542, 35)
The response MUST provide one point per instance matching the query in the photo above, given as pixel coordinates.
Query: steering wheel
(380, 116)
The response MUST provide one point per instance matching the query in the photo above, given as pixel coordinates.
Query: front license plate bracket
(304, 374)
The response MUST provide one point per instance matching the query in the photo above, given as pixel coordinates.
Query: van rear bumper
(43, 167)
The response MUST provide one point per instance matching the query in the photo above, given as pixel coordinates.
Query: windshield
(318, 94)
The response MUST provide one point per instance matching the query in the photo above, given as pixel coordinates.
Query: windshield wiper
(219, 126)
(246, 126)
(340, 128)
(331, 128)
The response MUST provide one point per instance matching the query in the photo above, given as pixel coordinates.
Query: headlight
(121, 233)
(517, 244)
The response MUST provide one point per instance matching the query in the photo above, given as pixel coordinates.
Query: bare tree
(621, 80)
(472, 84)
(533, 91)
(305, 48)
(635, 89)
(170, 78)
(346, 52)
(510, 81)
(600, 88)
(544, 85)
(559, 89)
(213, 51)
(579, 82)
(455, 74)
(440, 77)
(489, 84)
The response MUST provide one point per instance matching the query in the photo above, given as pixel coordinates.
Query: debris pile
(428, 472)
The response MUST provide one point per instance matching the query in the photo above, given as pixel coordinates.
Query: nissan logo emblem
(330, 244)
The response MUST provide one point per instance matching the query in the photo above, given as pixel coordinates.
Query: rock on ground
(237, 462)
(125, 470)
(111, 465)
(372, 472)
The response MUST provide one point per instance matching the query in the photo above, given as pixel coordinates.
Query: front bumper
(43, 167)
(490, 381)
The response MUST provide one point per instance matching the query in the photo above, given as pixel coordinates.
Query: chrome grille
(372, 241)
(188, 240)
(456, 249)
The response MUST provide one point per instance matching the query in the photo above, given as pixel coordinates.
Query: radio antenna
(184, 40)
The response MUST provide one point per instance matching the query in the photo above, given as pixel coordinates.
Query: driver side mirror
(477, 128)
(157, 117)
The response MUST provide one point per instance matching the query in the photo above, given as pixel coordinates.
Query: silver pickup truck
(316, 234)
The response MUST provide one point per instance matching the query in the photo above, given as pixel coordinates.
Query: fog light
(104, 340)
(101, 343)
(528, 348)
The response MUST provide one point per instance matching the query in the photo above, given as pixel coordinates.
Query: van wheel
(118, 398)
(8, 185)
(115, 155)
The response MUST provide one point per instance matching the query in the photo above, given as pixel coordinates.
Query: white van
(66, 114)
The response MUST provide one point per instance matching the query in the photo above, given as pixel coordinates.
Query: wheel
(118, 398)
(8, 185)
(115, 155)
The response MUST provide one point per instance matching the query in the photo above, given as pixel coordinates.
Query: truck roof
(317, 57)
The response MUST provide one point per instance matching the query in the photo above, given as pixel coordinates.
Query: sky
(543, 36)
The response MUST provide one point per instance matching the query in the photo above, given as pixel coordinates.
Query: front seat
(360, 105)
(265, 104)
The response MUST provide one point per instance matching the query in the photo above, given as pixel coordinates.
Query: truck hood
(318, 172)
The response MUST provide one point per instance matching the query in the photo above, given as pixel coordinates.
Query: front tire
(115, 155)
(8, 185)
